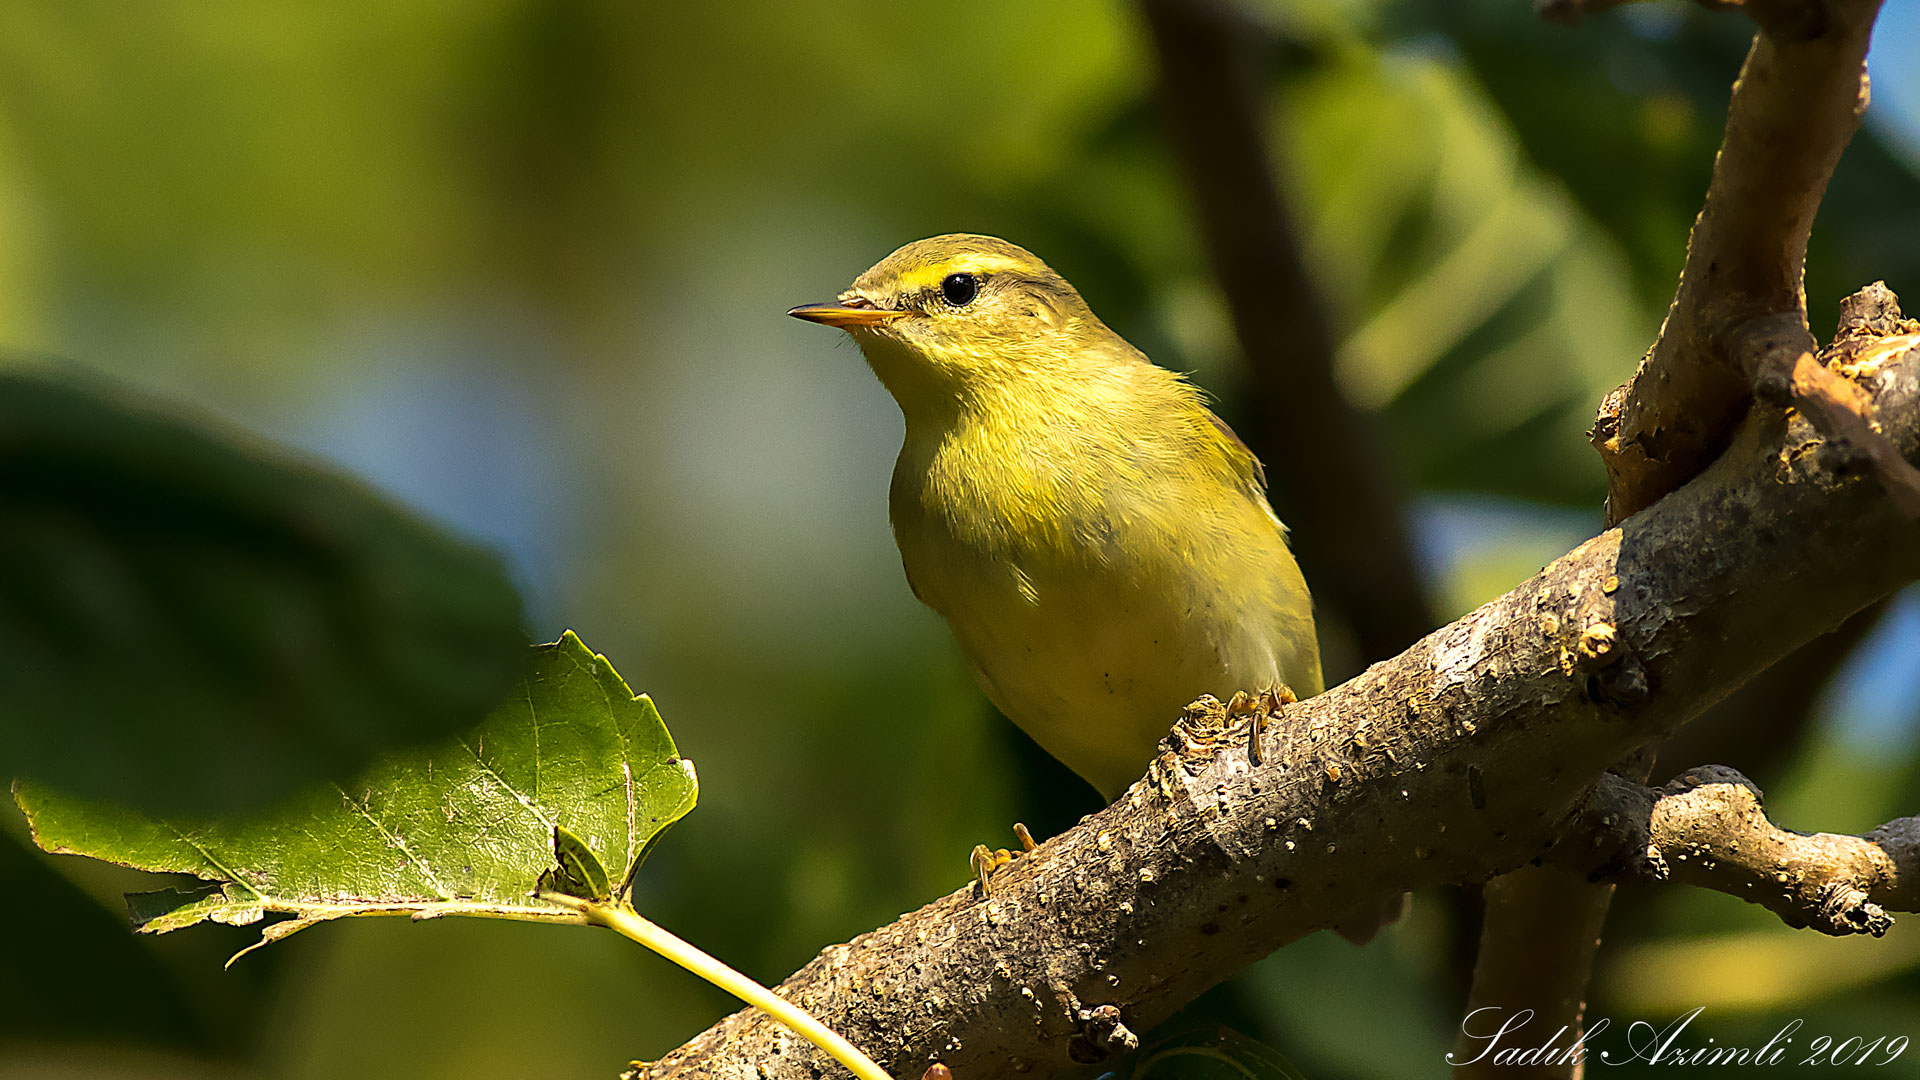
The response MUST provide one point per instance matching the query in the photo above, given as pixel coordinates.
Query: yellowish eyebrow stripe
(927, 277)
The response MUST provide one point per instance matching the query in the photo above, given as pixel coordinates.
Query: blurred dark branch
(1471, 754)
(1540, 930)
(1707, 828)
(1329, 473)
(1761, 727)
(1536, 952)
(1738, 324)
(1571, 12)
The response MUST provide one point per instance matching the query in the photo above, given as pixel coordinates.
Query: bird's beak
(857, 312)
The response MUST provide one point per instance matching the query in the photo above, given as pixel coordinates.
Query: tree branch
(1537, 947)
(1737, 329)
(1706, 828)
(1538, 940)
(1738, 320)
(1465, 756)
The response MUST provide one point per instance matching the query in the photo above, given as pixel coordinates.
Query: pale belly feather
(1095, 661)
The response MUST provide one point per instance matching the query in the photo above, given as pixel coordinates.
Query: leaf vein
(432, 878)
(232, 875)
(532, 807)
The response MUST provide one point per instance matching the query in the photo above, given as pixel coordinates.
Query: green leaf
(577, 871)
(1205, 1051)
(573, 764)
(192, 622)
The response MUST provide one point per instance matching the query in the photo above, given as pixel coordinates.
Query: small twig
(1797, 103)
(1707, 828)
(1777, 353)
(629, 924)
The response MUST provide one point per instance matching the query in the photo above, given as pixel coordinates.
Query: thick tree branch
(1795, 107)
(1737, 328)
(1329, 475)
(1544, 932)
(1706, 828)
(1466, 756)
(1785, 372)
(1540, 934)
(1760, 728)
(1544, 960)
(1536, 952)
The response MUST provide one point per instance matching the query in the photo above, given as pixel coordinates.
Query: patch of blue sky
(1893, 65)
(452, 423)
(1874, 700)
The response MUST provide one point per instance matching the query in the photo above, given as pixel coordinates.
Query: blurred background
(523, 264)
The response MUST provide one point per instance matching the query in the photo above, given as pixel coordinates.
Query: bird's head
(945, 317)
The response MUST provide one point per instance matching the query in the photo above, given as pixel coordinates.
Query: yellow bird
(1099, 542)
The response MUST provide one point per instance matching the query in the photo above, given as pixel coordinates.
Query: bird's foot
(1259, 709)
(986, 860)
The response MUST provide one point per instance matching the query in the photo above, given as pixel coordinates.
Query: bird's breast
(1090, 624)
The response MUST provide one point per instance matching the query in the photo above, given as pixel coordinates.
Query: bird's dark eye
(960, 289)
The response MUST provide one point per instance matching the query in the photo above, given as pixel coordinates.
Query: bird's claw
(986, 860)
(1258, 709)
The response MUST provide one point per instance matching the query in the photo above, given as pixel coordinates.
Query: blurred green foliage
(192, 623)
(523, 263)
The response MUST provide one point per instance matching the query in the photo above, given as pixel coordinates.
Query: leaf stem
(629, 923)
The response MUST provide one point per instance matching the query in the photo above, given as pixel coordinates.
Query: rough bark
(1470, 754)
(1737, 330)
